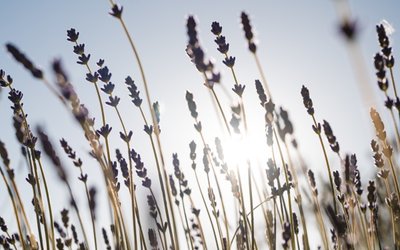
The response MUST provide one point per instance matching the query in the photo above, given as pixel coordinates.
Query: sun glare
(241, 150)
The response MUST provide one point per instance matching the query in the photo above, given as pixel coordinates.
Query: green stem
(284, 166)
(35, 199)
(131, 186)
(160, 178)
(393, 82)
(243, 208)
(48, 205)
(218, 185)
(263, 78)
(161, 218)
(208, 212)
(15, 209)
(327, 165)
(186, 220)
(253, 239)
(175, 243)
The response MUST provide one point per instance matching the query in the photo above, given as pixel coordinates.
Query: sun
(245, 149)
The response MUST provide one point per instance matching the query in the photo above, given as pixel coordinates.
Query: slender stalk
(160, 178)
(253, 239)
(200, 225)
(263, 78)
(90, 210)
(48, 204)
(219, 107)
(131, 186)
(159, 211)
(208, 212)
(387, 188)
(394, 175)
(298, 198)
(321, 223)
(35, 198)
(19, 201)
(393, 82)
(175, 243)
(77, 212)
(327, 165)
(243, 208)
(217, 182)
(41, 201)
(15, 209)
(284, 166)
(396, 128)
(215, 213)
(186, 220)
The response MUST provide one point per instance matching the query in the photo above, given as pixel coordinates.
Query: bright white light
(240, 150)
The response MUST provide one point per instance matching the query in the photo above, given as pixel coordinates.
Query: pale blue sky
(299, 43)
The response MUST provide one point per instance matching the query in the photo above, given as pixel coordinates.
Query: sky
(299, 44)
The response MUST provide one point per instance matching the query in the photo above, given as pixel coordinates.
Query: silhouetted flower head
(387, 51)
(134, 92)
(116, 11)
(371, 196)
(83, 59)
(156, 108)
(389, 103)
(261, 94)
(104, 130)
(383, 30)
(114, 100)
(216, 28)
(51, 153)
(100, 63)
(382, 36)
(191, 31)
(79, 49)
(127, 137)
(92, 77)
(235, 122)
(331, 138)
(307, 100)
(72, 35)
(192, 146)
(311, 179)
(191, 104)
(21, 58)
(379, 62)
(105, 74)
(196, 55)
(148, 129)
(4, 82)
(389, 61)
(15, 96)
(223, 46)
(108, 88)
(285, 117)
(229, 61)
(286, 235)
(248, 33)
(92, 200)
(59, 70)
(349, 29)
(153, 238)
(238, 89)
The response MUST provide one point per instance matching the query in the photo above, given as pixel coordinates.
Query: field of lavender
(243, 181)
